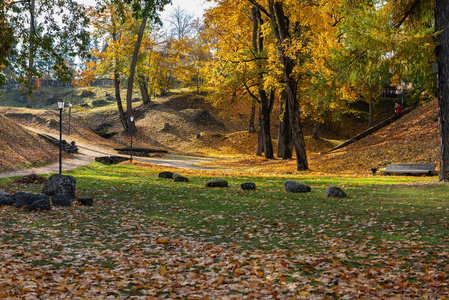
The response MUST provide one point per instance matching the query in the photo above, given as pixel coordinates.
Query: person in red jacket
(397, 110)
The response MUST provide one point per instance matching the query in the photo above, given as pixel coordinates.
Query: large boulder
(248, 186)
(292, 186)
(5, 200)
(335, 191)
(60, 184)
(165, 174)
(61, 200)
(179, 178)
(3, 193)
(22, 199)
(217, 182)
(85, 201)
(41, 204)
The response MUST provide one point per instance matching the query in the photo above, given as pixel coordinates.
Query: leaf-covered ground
(148, 238)
(19, 146)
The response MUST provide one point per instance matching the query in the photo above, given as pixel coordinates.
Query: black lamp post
(60, 106)
(131, 118)
(70, 114)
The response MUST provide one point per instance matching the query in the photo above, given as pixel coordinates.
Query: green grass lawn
(388, 238)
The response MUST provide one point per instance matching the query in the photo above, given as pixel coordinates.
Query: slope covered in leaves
(411, 139)
(20, 147)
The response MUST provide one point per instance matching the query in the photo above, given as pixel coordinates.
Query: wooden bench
(415, 169)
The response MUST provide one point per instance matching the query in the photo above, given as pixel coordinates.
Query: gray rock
(217, 182)
(61, 200)
(248, 186)
(2, 193)
(85, 201)
(179, 178)
(41, 204)
(335, 191)
(24, 199)
(292, 186)
(165, 174)
(5, 200)
(60, 184)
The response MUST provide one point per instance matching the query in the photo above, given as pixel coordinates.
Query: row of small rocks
(59, 190)
(290, 186)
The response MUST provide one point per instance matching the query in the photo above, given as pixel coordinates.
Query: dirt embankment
(186, 123)
(20, 148)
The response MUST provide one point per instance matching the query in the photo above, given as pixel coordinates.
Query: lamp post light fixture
(402, 88)
(60, 106)
(70, 114)
(131, 118)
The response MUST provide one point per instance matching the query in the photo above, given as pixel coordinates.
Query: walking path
(88, 152)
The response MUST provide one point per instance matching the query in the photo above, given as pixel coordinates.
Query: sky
(195, 7)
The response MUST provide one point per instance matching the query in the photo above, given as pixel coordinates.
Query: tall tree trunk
(117, 81)
(265, 103)
(144, 89)
(132, 70)
(118, 99)
(282, 35)
(252, 117)
(442, 52)
(30, 82)
(265, 118)
(260, 147)
(285, 146)
(316, 130)
(370, 112)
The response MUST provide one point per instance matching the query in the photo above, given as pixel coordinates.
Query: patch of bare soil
(31, 178)
(174, 123)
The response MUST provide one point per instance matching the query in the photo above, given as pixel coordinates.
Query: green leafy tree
(144, 10)
(6, 41)
(51, 30)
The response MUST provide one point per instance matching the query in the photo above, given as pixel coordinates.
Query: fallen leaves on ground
(31, 178)
(114, 251)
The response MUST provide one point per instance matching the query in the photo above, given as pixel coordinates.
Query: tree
(116, 29)
(280, 26)
(39, 32)
(180, 24)
(266, 102)
(442, 54)
(145, 10)
(6, 41)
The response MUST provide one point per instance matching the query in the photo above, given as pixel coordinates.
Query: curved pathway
(88, 152)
